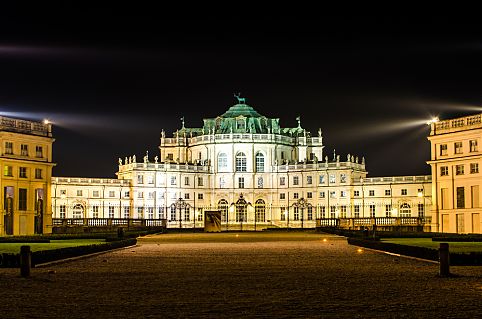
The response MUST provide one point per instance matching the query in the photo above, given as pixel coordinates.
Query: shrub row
(43, 256)
(456, 259)
(9, 260)
(24, 239)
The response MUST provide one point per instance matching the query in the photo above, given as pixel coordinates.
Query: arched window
(222, 161)
(77, 211)
(260, 211)
(259, 162)
(241, 210)
(405, 210)
(240, 162)
(223, 207)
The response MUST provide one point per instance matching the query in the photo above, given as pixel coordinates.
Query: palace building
(26, 161)
(455, 161)
(256, 172)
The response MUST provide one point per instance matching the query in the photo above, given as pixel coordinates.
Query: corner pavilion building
(257, 173)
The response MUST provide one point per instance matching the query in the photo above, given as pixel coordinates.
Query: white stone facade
(258, 174)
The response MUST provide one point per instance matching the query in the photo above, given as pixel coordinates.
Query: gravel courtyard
(285, 275)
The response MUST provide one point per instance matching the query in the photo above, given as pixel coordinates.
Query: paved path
(221, 275)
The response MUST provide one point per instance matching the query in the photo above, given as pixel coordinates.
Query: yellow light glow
(359, 250)
(420, 194)
(46, 121)
(433, 120)
(324, 239)
(237, 235)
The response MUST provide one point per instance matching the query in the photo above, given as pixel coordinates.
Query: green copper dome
(241, 109)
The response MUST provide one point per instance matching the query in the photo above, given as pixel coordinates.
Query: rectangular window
(200, 215)
(474, 192)
(151, 195)
(444, 171)
(332, 211)
(127, 211)
(309, 180)
(281, 195)
(388, 210)
(309, 195)
(282, 181)
(173, 180)
(322, 211)
(22, 172)
(342, 178)
(342, 194)
(371, 192)
(295, 195)
(170, 157)
(9, 148)
(372, 211)
(282, 213)
(404, 191)
(356, 210)
(282, 155)
(150, 212)
(332, 194)
(460, 223)
(39, 151)
(38, 173)
(150, 179)
(460, 197)
(24, 149)
(200, 181)
(62, 211)
(474, 168)
(240, 182)
(222, 182)
(332, 178)
(310, 213)
(356, 193)
(421, 210)
(79, 192)
(127, 194)
(459, 169)
(140, 179)
(296, 180)
(342, 211)
(140, 212)
(173, 213)
(473, 146)
(296, 213)
(388, 192)
(322, 194)
(186, 196)
(187, 215)
(444, 198)
(22, 199)
(443, 149)
(186, 180)
(200, 196)
(111, 193)
(260, 182)
(95, 193)
(140, 195)
(322, 179)
(95, 211)
(458, 147)
(8, 170)
(161, 212)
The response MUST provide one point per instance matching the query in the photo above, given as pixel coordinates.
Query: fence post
(444, 262)
(25, 261)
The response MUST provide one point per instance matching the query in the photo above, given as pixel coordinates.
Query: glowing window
(222, 161)
(259, 162)
(240, 162)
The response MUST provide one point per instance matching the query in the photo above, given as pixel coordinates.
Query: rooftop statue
(241, 100)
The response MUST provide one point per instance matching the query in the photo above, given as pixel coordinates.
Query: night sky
(111, 81)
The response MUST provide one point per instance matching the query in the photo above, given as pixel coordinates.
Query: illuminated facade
(455, 161)
(256, 172)
(26, 161)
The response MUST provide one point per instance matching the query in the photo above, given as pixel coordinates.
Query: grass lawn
(54, 244)
(456, 247)
(235, 237)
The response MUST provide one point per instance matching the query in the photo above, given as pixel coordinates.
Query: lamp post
(241, 209)
(302, 203)
(181, 204)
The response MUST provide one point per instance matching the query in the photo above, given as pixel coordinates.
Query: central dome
(241, 109)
